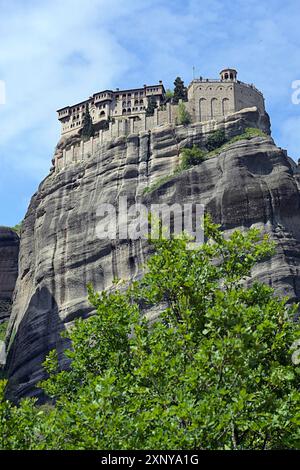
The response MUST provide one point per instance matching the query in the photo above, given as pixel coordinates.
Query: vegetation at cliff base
(214, 371)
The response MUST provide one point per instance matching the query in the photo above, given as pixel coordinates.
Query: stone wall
(79, 150)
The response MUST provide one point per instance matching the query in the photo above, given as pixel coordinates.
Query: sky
(55, 53)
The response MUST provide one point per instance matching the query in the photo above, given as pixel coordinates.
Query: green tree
(191, 157)
(183, 116)
(216, 140)
(214, 371)
(152, 105)
(169, 94)
(88, 127)
(180, 91)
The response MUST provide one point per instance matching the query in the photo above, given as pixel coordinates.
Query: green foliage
(183, 116)
(191, 157)
(180, 91)
(216, 140)
(17, 228)
(195, 155)
(250, 133)
(87, 130)
(152, 105)
(3, 328)
(159, 182)
(213, 372)
(169, 93)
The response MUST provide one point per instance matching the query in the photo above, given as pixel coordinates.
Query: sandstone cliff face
(252, 183)
(9, 252)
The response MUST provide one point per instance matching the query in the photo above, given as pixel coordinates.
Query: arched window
(141, 101)
(225, 106)
(102, 113)
(128, 110)
(214, 111)
(136, 101)
(124, 111)
(202, 109)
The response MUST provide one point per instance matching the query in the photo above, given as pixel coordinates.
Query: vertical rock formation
(9, 253)
(249, 183)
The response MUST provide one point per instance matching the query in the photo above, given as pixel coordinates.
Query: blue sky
(58, 52)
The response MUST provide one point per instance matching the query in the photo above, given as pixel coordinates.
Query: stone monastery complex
(123, 112)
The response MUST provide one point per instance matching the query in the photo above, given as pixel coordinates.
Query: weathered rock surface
(9, 253)
(252, 183)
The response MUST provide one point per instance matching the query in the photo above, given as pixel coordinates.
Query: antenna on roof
(193, 72)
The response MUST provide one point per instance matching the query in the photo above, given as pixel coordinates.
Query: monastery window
(124, 111)
(128, 110)
(136, 101)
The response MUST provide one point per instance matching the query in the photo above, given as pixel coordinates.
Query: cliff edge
(248, 183)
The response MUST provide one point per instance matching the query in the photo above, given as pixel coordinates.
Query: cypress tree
(88, 126)
(151, 106)
(180, 91)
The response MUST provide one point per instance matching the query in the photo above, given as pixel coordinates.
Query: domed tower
(228, 75)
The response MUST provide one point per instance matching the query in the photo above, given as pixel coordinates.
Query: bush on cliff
(191, 157)
(213, 372)
(216, 140)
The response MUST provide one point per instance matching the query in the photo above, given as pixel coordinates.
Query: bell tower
(228, 75)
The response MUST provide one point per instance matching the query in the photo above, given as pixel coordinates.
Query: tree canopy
(213, 371)
(180, 91)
